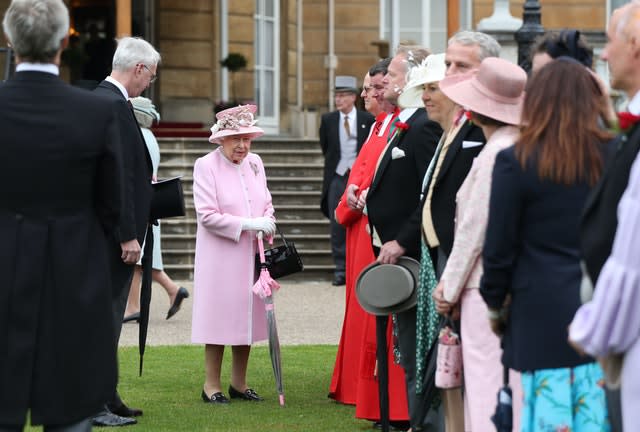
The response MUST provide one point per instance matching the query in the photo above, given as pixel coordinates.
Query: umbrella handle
(261, 248)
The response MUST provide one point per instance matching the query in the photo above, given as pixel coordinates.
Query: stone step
(188, 156)
(275, 169)
(187, 225)
(302, 241)
(187, 256)
(310, 272)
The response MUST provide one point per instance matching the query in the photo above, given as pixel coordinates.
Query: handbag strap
(284, 240)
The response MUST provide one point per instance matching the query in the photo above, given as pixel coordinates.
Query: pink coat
(225, 310)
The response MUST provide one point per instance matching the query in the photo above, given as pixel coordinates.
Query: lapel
(621, 143)
(397, 140)
(361, 130)
(335, 130)
(454, 148)
(111, 87)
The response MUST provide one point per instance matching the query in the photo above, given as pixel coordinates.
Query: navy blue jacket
(532, 251)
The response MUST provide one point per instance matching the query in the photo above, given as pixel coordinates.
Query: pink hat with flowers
(235, 121)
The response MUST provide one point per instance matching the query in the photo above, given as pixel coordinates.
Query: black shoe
(108, 419)
(177, 302)
(338, 280)
(216, 398)
(133, 317)
(248, 394)
(394, 425)
(124, 411)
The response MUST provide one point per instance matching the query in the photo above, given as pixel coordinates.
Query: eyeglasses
(153, 76)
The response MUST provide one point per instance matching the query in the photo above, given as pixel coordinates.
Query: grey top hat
(346, 83)
(384, 289)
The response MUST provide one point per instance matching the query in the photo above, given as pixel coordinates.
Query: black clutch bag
(168, 199)
(281, 260)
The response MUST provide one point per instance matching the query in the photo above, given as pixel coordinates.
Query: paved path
(307, 313)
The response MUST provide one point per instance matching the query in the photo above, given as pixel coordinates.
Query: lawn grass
(169, 392)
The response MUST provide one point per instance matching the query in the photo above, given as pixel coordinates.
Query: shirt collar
(634, 104)
(120, 86)
(38, 67)
(406, 113)
(350, 114)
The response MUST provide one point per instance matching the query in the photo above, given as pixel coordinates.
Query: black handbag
(168, 199)
(281, 260)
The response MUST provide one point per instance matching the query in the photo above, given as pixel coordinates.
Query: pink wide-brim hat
(495, 90)
(235, 121)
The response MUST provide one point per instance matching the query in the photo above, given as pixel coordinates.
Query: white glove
(264, 224)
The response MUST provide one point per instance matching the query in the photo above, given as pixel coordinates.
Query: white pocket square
(470, 144)
(397, 153)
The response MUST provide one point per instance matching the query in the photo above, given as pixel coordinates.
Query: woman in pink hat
(531, 255)
(232, 205)
(492, 98)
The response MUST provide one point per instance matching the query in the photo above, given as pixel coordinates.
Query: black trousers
(338, 233)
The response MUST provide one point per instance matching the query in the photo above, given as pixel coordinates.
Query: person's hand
(130, 251)
(352, 198)
(390, 252)
(264, 224)
(574, 345)
(497, 326)
(443, 307)
(362, 199)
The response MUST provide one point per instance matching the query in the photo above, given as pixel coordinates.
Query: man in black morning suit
(342, 133)
(394, 197)
(59, 201)
(135, 63)
(465, 52)
(599, 217)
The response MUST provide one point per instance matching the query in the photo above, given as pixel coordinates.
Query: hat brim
(468, 95)
(346, 90)
(384, 289)
(252, 131)
(411, 97)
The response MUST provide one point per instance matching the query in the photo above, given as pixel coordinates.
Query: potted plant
(233, 62)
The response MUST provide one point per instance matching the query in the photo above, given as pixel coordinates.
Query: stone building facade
(294, 48)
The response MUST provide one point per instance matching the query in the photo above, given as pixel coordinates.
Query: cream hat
(432, 69)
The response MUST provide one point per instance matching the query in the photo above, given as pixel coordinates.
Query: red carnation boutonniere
(402, 126)
(626, 120)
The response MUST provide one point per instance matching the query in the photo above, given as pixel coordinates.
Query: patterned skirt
(564, 400)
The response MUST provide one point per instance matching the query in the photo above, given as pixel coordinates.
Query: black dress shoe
(133, 317)
(108, 419)
(216, 398)
(338, 280)
(248, 394)
(177, 302)
(124, 411)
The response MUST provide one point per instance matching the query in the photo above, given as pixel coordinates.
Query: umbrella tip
(281, 397)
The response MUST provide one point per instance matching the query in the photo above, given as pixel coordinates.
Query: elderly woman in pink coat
(232, 205)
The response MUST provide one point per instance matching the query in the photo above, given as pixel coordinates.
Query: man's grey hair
(489, 47)
(36, 28)
(132, 51)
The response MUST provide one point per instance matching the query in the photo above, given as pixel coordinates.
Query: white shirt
(348, 144)
(120, 86)
(634, 105)
(38, 67)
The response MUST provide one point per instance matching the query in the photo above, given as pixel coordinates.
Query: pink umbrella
(264, 288)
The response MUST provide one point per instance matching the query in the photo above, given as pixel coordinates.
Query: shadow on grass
(169, 392)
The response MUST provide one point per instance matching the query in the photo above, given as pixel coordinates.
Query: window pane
(269, 8)
(268, 88)
(267, 43)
